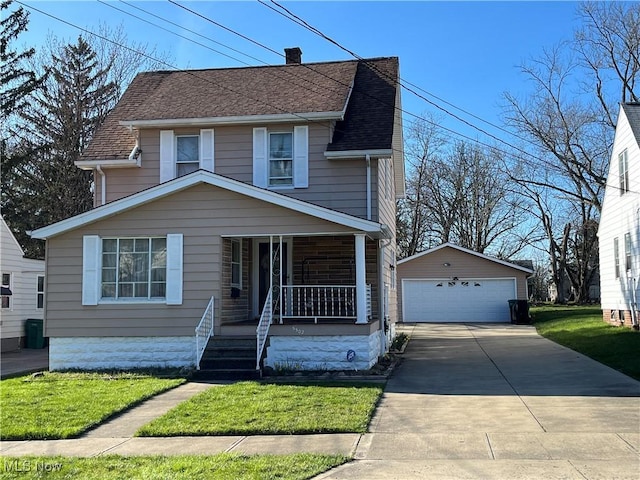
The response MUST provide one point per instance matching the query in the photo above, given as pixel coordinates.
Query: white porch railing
(204, 331)
(262, 331)
(321, 301)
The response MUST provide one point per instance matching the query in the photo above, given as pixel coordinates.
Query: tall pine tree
(60, 120)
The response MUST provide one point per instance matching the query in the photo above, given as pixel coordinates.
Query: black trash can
(519, 310)
(34, 332)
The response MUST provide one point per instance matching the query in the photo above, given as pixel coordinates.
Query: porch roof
(152, 194)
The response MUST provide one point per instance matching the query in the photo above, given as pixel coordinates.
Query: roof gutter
(233, 120)
(351, 154)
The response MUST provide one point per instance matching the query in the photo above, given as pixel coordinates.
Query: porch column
(361, 279)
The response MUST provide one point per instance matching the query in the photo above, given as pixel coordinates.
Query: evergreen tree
(45, 186)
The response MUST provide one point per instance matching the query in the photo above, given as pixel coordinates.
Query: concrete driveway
(499, 402)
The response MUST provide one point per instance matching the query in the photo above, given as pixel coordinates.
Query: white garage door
(485, 300)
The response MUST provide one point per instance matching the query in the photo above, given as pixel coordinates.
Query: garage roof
(470, 252)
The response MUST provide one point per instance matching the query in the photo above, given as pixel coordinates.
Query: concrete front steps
(229, 358)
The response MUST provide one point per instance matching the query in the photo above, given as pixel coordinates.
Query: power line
(492, 147)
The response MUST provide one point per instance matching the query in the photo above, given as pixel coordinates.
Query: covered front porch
(297, 280)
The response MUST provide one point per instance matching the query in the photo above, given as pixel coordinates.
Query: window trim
(39, 292)
(7, 297)
(92, 272)
(623, 171)
(616, 256)
(116, 298)
(176, 162)
(627, 251)
(238, 242)
(292, 160)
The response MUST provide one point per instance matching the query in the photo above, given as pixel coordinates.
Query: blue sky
(466, 53)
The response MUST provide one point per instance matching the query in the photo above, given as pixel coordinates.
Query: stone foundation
(320, 352)
(121, 353)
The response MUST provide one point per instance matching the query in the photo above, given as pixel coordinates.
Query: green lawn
(252, 408)
(583, 330)
(222, 466)
(63, 405)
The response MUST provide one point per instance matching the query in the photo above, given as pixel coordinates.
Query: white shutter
(174, 269)
(301, 156)
(167, 163)
(91, 254)
(207, 152)
(260, 157)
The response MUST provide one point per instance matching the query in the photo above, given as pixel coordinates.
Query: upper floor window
(627, 251)
(134, 268)
(6, 287)
(280, 159)
(185, 153)
(616, 256)
(623, 171)
(40, 292)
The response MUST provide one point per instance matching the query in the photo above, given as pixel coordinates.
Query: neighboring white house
(22, 290)
(619, 234)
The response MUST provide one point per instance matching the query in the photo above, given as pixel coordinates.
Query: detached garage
(453, 284)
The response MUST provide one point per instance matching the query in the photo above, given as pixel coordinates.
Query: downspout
(368, 159)
(383, 245)
(103, 185)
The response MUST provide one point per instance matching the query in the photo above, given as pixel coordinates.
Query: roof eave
(164, 189)
(343, 154)
(233, 120)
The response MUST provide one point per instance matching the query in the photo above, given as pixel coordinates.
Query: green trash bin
(34, 329)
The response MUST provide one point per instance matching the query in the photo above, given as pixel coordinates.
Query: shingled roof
(359, 92)
(632, 111)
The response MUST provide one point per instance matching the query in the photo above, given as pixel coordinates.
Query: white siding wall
(620, 215)
(24, 285)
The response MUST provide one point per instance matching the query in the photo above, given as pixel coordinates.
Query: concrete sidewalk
(468, 402)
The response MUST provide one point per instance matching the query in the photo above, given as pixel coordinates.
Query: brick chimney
(293, 55)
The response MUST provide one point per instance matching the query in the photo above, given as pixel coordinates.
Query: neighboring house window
(627, 251)
(134, 268)
(623, 170)
(40, 292)
(236, 263)
(616, 256)
(6, 283)
(184, 154)
(281, 159)
(187, 154)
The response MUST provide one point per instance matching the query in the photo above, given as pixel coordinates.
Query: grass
(222, 466)
(64, 405)
(583, 330)
(252, 408)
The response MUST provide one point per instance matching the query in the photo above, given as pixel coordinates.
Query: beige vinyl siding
(462, 265)
(387, 209)
(203, 214)
(336, 184)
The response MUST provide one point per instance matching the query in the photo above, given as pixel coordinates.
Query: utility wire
(492, 147)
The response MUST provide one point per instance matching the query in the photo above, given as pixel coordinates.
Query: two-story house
(619, 231)
(231, 203)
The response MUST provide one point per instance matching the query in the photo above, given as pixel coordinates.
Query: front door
(263, 269)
